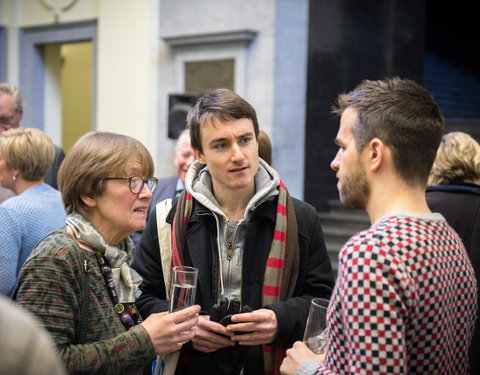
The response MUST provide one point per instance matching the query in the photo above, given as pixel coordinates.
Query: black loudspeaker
(178, 107)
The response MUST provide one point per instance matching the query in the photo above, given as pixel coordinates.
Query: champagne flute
(183, 287)
(315, 336)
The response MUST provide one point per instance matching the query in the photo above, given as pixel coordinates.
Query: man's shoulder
(306, 216)
(302, 207)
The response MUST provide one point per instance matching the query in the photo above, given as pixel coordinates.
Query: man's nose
(335, 164)
(237, 153)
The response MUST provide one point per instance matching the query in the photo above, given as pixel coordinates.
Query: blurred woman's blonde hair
(29, 150)
(457, 160)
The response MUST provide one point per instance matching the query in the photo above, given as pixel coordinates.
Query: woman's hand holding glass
(169, 330)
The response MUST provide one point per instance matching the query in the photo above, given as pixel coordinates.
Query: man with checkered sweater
(405, 297)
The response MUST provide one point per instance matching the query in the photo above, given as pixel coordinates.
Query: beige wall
(76, 88)
(138, 66)
(126, 68)
(126, 63)
(32, 13)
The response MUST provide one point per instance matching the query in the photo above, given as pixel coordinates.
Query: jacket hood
(198, 183)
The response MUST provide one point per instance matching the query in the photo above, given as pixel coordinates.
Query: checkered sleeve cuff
(309, 367)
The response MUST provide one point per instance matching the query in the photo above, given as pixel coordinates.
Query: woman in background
(78, 280)
(454, 192)
(37, 208)
(264, 147)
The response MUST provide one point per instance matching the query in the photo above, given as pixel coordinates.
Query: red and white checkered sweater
(404, 302)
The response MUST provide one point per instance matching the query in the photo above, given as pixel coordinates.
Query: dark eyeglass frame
(151, 182)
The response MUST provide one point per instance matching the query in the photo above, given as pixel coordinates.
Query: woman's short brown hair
(94, 156)
(457, 160)
(264, 147)
(29, 150)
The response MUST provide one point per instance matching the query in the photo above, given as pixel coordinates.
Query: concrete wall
(126, 63)
(137, 65)
(127, 68)
(254, 62)
(270, 70)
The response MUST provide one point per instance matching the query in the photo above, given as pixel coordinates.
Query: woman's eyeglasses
(135, 183)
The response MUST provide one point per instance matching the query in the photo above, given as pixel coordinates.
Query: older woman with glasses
(78, 281)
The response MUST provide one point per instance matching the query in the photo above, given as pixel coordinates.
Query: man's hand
(210, 336)
(296, 355)
(255, 328)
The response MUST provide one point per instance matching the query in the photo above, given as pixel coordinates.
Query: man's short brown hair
(218, 105)
(402, 114)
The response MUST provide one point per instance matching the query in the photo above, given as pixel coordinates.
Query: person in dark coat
(454, 191)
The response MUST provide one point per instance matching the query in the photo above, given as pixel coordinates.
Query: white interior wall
(127, 64)
(291, 52)
(137, 69)
(127, 58)
(254, 69)
(216, 16)
(271, 71)
(10, 18)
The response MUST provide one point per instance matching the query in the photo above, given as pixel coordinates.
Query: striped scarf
(281, 270)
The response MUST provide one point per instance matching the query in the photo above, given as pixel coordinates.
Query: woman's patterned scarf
(126, 279)
(281, 270)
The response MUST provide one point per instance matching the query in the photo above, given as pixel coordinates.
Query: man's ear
(89, 201)
(199, 156)
(376, 153)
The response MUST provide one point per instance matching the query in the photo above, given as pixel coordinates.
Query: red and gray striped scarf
(281, 270)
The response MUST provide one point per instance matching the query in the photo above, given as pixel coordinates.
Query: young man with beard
(249, 239)
(405, 297)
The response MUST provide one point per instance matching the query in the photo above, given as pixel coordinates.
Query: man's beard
(355, 189)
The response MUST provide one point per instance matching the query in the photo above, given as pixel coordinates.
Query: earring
(14, 177)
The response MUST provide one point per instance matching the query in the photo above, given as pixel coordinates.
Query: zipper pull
(229, 251)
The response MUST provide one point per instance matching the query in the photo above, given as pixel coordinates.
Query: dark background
(432, 42)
